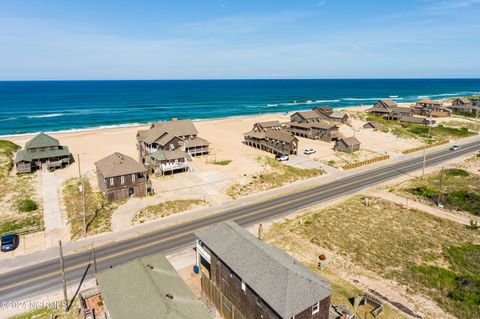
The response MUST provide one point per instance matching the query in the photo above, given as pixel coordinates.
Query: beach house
(168, 147)
(372, 125)
(246, 278)
(385, 104)
(391, 113)
(322, 130)
(42, 151)
(269, 125)
(306, 117)
(416, 120)
(429, 104)
(463, 105)
(327, 113)
(347, 144)
(120, 177)
(278, 142)
(147, 287)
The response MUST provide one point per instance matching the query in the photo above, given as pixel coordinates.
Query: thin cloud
(320, 4)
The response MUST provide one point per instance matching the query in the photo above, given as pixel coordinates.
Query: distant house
(441, 112)
(327, 113)
(264, 126)
(463, 105)
(429, 104)
(385, 104)
(305, 117)
(147, 288)
(167, 147)
(372, 125)
(322, 130)
(255, 280)
(42, 151)
(347, 144)
(278, 142)
(416, 120)
(120, 177)
(392, 113)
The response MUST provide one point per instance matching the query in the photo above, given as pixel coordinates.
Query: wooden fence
(420, 148)
(370, 161)
(224, 306)
(25, 231)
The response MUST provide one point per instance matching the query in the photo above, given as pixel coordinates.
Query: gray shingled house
(278, 142)
(463, 105)
(147, 288)
(305, 117)
(42, 151)
(322, 130)
(373, 125)
(385, 104)
(255, 280)
(120, 177)
(167, 147)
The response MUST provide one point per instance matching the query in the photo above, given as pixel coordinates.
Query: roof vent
(169, 296)
(150, 267)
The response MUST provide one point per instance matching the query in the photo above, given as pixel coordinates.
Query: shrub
(27, 205)
(223, 163)
(456, 172)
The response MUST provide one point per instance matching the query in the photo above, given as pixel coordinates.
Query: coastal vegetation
(456, 189)
(99, 211)
(166, 209)
(429, 255)
(422, 132)
(49, 312)
(223, 162)
(19, 208)
(275, 174)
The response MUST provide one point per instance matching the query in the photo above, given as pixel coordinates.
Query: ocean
(34, 106)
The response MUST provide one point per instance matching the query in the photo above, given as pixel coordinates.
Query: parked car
(455, 147)
(309, 151)
(10, 242)
(281, 158)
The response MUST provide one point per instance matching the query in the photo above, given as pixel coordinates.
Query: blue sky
(238, 39)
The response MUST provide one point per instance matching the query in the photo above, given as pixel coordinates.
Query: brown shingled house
(347, 144)
(305, 117)
(264, 126)
(167, 147)
(327, 113)
(120, 177)
(463, 105)
(385, 104)
(278, 142)
(322, 130)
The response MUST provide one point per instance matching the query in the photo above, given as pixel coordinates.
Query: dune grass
(222, 163)
(395, 242)
(166, 209)
(99, 211)
(278, 174)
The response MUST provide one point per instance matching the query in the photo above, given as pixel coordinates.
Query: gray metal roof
(139, 288)
(282, 282)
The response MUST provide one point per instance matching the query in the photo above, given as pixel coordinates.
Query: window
(122, 180)
(134, 177)
(244, 288)
(111, 181)
(315, 308)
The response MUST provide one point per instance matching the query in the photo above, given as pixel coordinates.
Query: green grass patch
(395, 242)
(460, 189)
(27, 205)
(99, 211)
(166, 209)
(55, 311)
(278, 175)
(223, 162)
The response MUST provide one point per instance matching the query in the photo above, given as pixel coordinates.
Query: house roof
(323, 125)
(401, 109)
(26, 156)
(282, 282)
(268, 124)
(163, 132)
(323, 109)
(167, 155)
(307, 115)
(141, 289)
(196, 141)
(349, 141)
(280, 135)
(429, 102)
(373, 124)
(118, 164)
(338, 115)
(42, 140)
(463, 100)
(414, 119)
(379, 110)
(388, 102)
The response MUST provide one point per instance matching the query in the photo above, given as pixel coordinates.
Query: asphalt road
(43, 277)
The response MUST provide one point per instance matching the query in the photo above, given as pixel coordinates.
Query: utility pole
(64, 279)
(476, 118)
(84, 200)
(94, 265)
(425, 148)
(441, 188)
